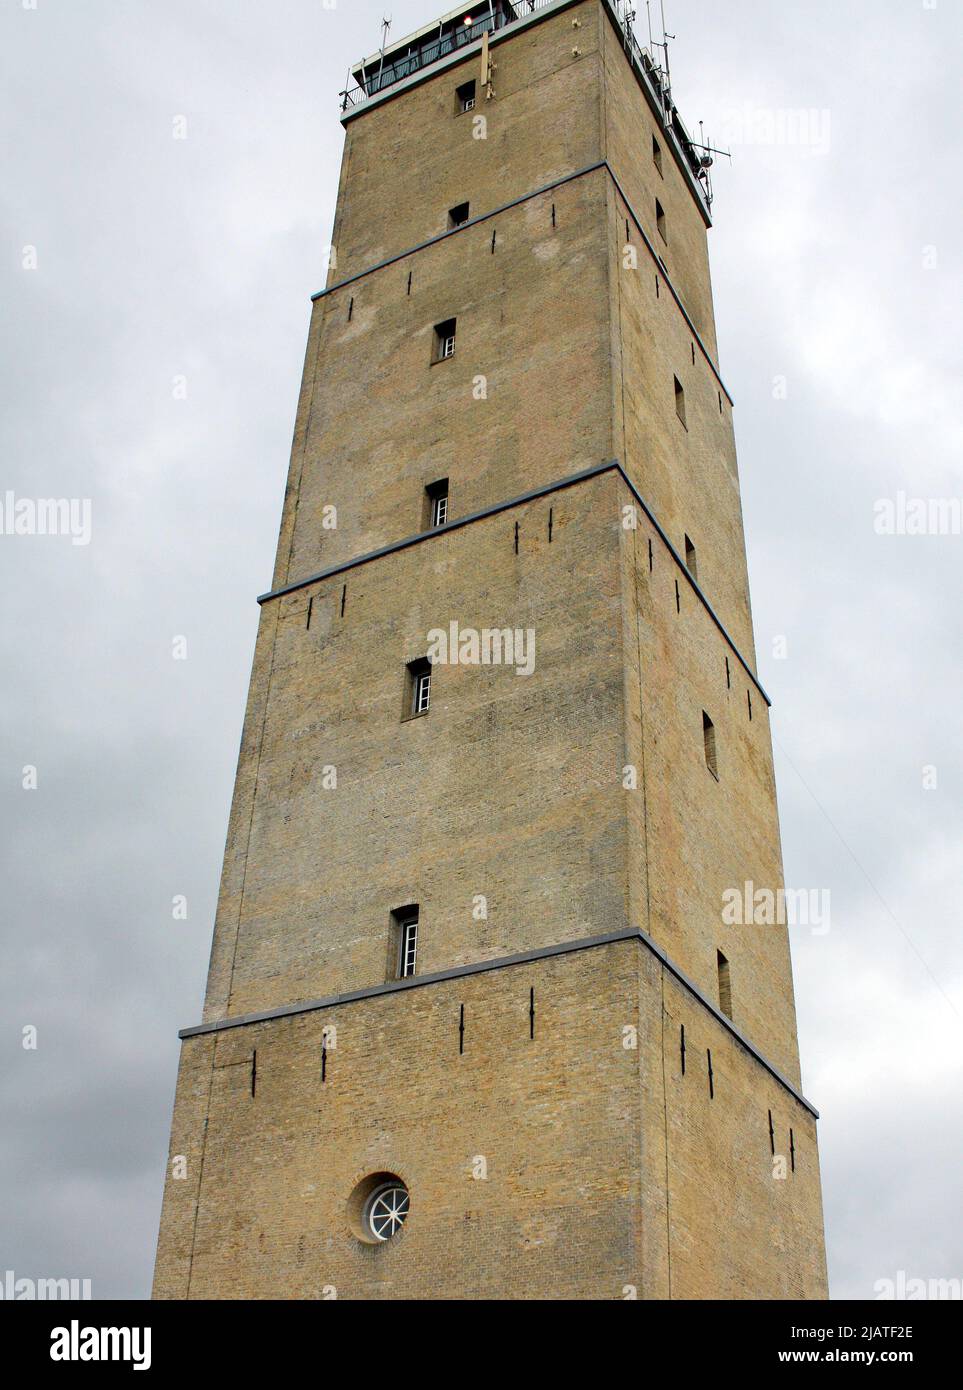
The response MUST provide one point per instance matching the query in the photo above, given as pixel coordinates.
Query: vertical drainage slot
(531, 1012)
(682, 1046)
(461, 1030)
(712, 1087)
(307, 625)
(344, 595)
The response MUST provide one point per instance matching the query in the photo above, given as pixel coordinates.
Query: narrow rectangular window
(709, 741)
(679, 399)
(457, 216)
(422, 691)
(436, 497)
(417, 687)
(690, 558)
(725, 985)
(405, 922)
(444, 340)
(660, 220)
(465, 97)
(657, 155)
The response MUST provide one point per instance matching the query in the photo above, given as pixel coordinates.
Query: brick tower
(477, 1023)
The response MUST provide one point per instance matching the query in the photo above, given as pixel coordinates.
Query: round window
(386, 1210)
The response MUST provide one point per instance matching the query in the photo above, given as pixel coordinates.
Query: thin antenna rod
(665, 50)
(385, 26)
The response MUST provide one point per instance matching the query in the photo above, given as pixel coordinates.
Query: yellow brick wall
(571, 1128)
(510, 788)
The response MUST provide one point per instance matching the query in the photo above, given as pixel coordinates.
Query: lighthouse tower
(483, 1017)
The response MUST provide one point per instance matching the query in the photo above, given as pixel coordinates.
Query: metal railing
(429, 51)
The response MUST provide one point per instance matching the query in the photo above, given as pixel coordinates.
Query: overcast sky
(837, 276)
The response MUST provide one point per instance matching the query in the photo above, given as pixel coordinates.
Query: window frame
(405, 921)
(680, 401)
(443, 339)
(417, 690)
(660, 223)
(464, 99)
(709, 746)
(691, 559)
(435, 511)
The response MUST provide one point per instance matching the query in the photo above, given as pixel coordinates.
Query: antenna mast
(385, 26)
(665, 49)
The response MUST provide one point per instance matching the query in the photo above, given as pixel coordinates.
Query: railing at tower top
(376, 75)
